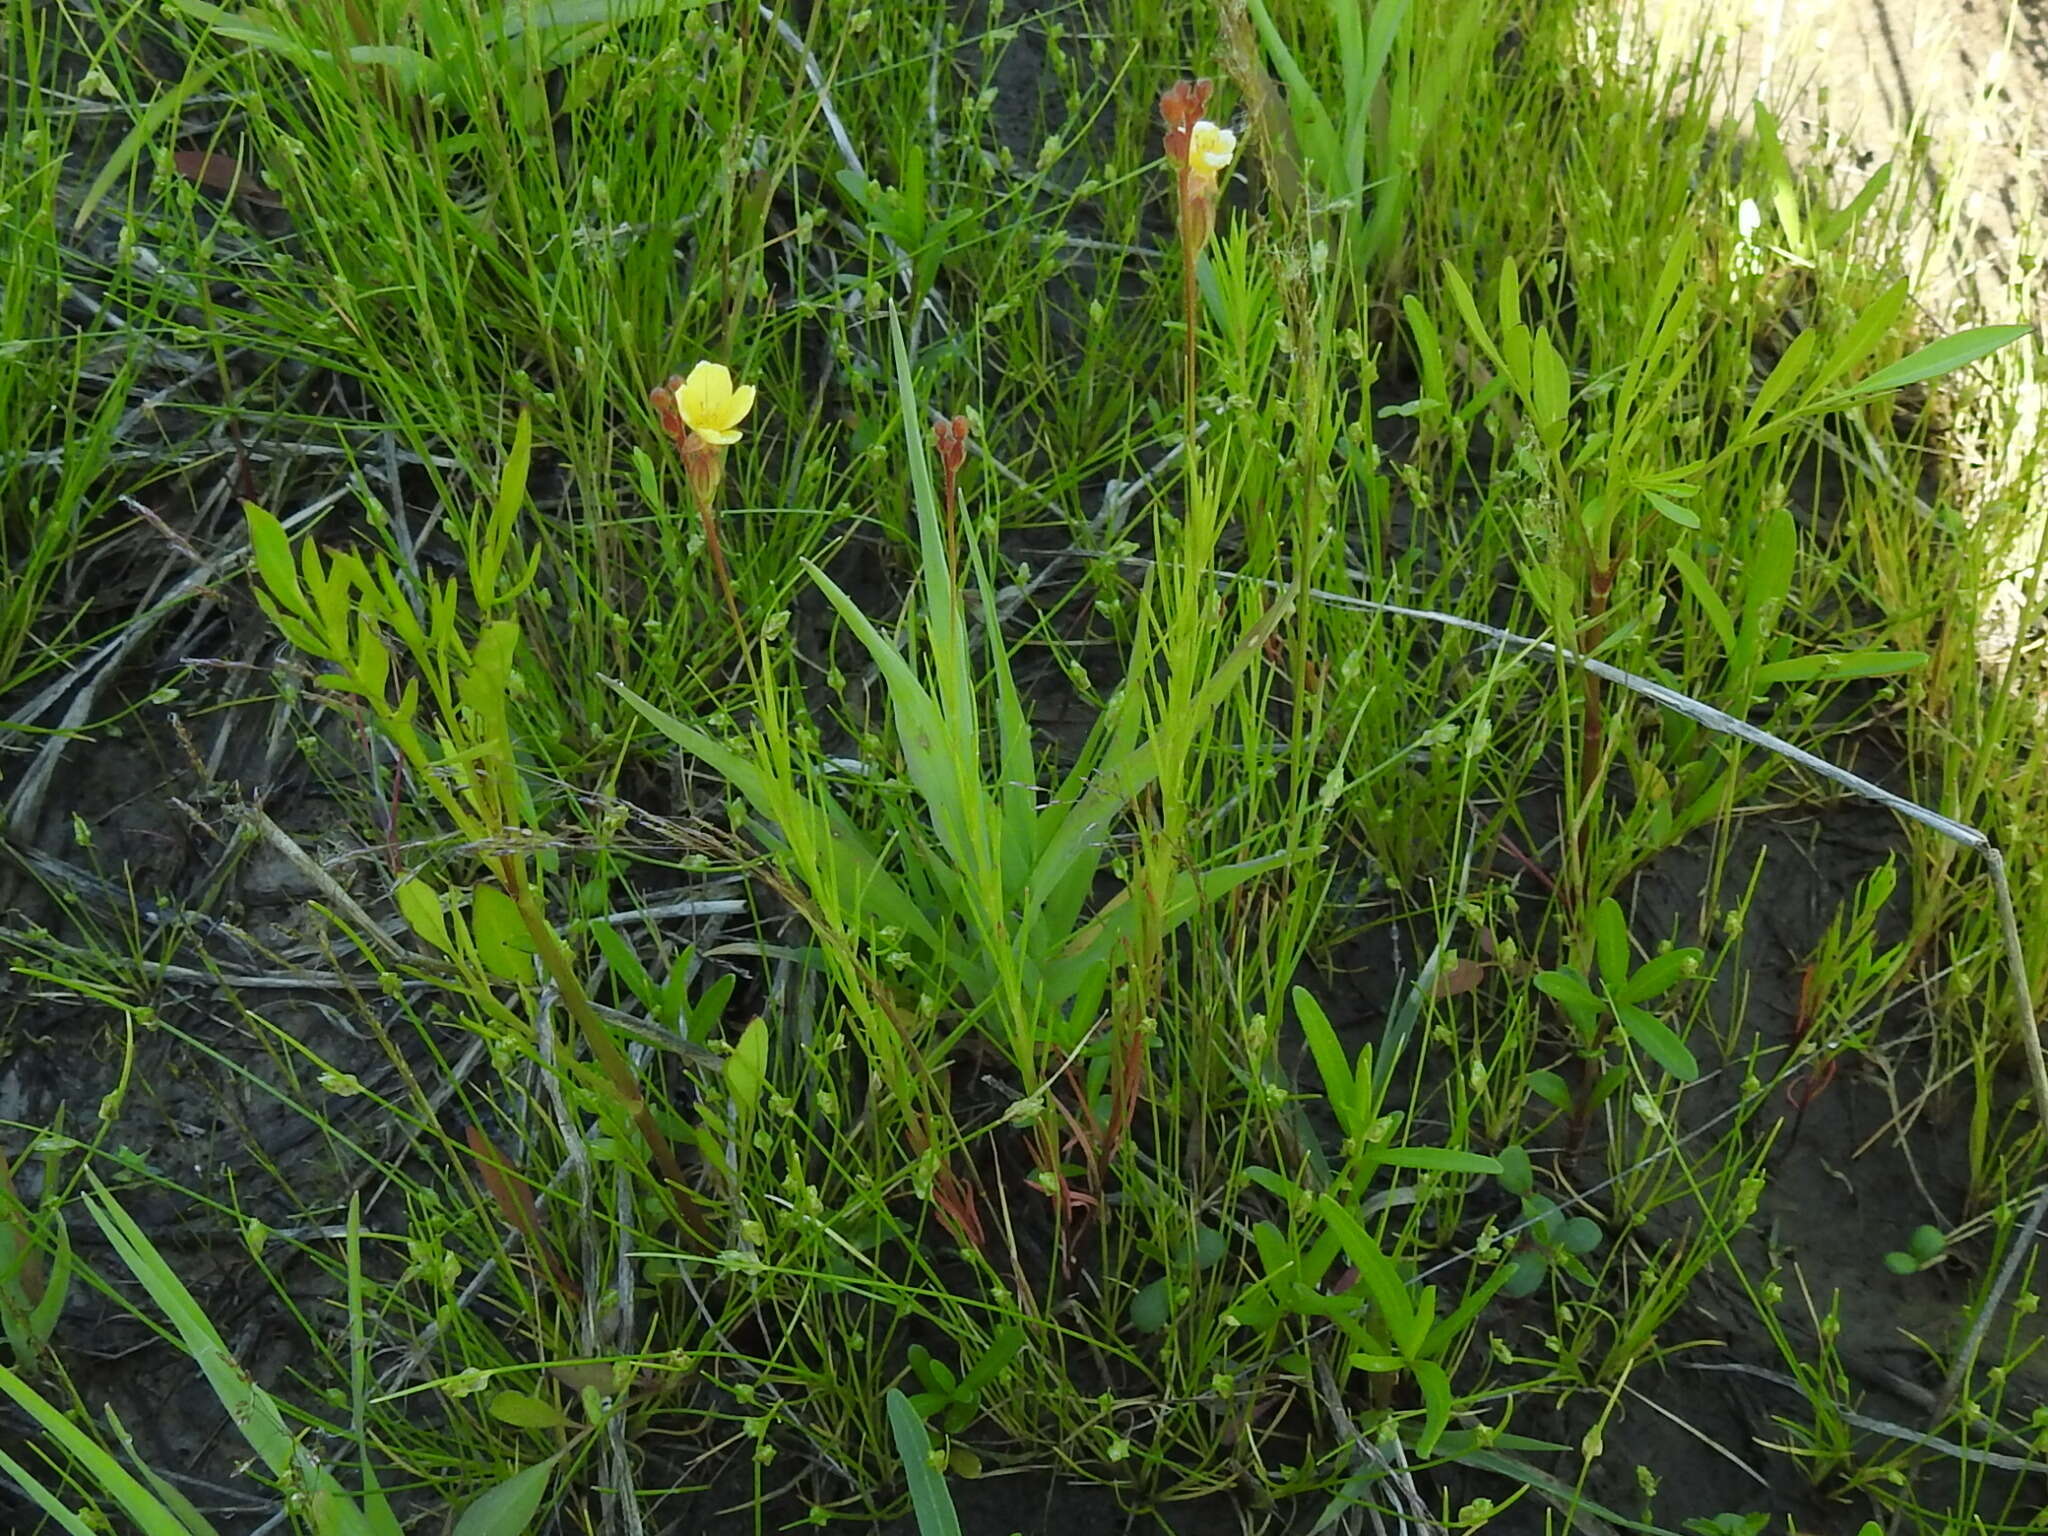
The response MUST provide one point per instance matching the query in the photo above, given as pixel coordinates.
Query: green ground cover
(1152, 843)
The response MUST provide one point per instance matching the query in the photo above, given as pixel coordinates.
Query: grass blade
(929, 1499)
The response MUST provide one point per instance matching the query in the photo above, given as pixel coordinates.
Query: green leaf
(1429, 352)
(1901, 1263)
(1579, 1235)
(252, 1410)
(1550, 1088)
(1568, 987)
(1657, 975)
(420, 904)
(1840, 666)
(1767, 582)
(526, 1411)
(416, 73)
(503, 944)
(1658, 1042)
(1610, 943)
(55, 1508)
(1322, 149)
(1838, 224)
(1934, 360)
(556, 15)
(1397, 1310)
(247, 29)
(1333, 1063)
(1784, 373)
(994, 1360)
(1927, 1243)
(1516, 1176)
(859, 880)
(929, 1500)
(1525, 1275)
(507, 1508)
(1873, 323)
(1436, 1159)
(1148, 1307)
(148, 128)
(746, 1070)
(487, 552)
(270, 549)
(942, 762)
(1672, 511)
(1521, 1473)
(1436, 1404)
(173, 1498)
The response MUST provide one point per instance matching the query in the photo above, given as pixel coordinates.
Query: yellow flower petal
(1211, 147)
(704, 393)
(710, 404)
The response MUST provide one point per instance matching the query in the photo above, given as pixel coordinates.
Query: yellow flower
(711, 406)
(1210, 149)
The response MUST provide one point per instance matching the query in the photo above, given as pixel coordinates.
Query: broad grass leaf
(148, 127)
(929, 1500)
(1848, 217)
(1792, 362)
(846, 858)
(173, 1498)
(1839, 666)
(942, 767)
(254, 1413)
(507, 1508)
(554, 15)
(1937, 358)
(1437, 1159)
(1873, 324)
(1702, 592)
(1333, 1063)
(1320, 144)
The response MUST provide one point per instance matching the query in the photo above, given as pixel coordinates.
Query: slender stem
(610, 1060)
(1592, 733)
(1187, 304)
(707, 515)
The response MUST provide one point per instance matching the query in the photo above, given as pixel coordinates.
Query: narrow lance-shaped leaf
(1935, 359)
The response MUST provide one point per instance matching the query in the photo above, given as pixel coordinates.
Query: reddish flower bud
(1181, 107)
(950, 439)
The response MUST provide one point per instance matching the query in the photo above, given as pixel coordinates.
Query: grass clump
(1144, 866)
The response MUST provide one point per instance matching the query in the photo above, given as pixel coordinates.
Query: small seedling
(1549, 1239)
(1728, 1525)
(1621, 991)
(1924, 1249)
(1156, 1302)
(953, 1401)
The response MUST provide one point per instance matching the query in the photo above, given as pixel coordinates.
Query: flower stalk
(949, 439)
(701, 415)
(1199, 151)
